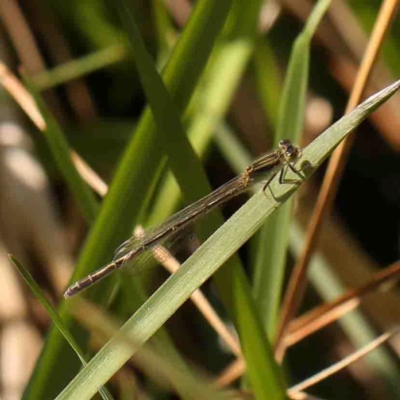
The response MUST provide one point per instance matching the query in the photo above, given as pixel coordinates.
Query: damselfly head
(289, 151)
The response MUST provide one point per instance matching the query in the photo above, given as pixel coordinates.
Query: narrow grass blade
(62, 155)
(78, 68)
(274, 237)
(181, 156)
(53, 315)
(269, 81)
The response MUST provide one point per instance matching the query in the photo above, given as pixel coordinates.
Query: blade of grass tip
(270, 264)
(121, 208)
(62, 156)
(212, 254)
(53, 315)
(297, 283)
(78, 68)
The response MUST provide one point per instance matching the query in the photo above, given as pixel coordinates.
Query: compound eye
(284, 142)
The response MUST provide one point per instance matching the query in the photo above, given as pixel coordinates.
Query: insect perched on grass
(273, 163)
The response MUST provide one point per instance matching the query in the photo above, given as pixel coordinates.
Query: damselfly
(272, 163)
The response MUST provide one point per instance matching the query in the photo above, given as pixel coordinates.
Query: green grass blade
(181, 156)
(48, 307)
(213, 253)
(268, 79)
(62, 156)
(78, 68)
(58, 322)
(274, 237)
(128, 190)
(163, 26)
(291, 113)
